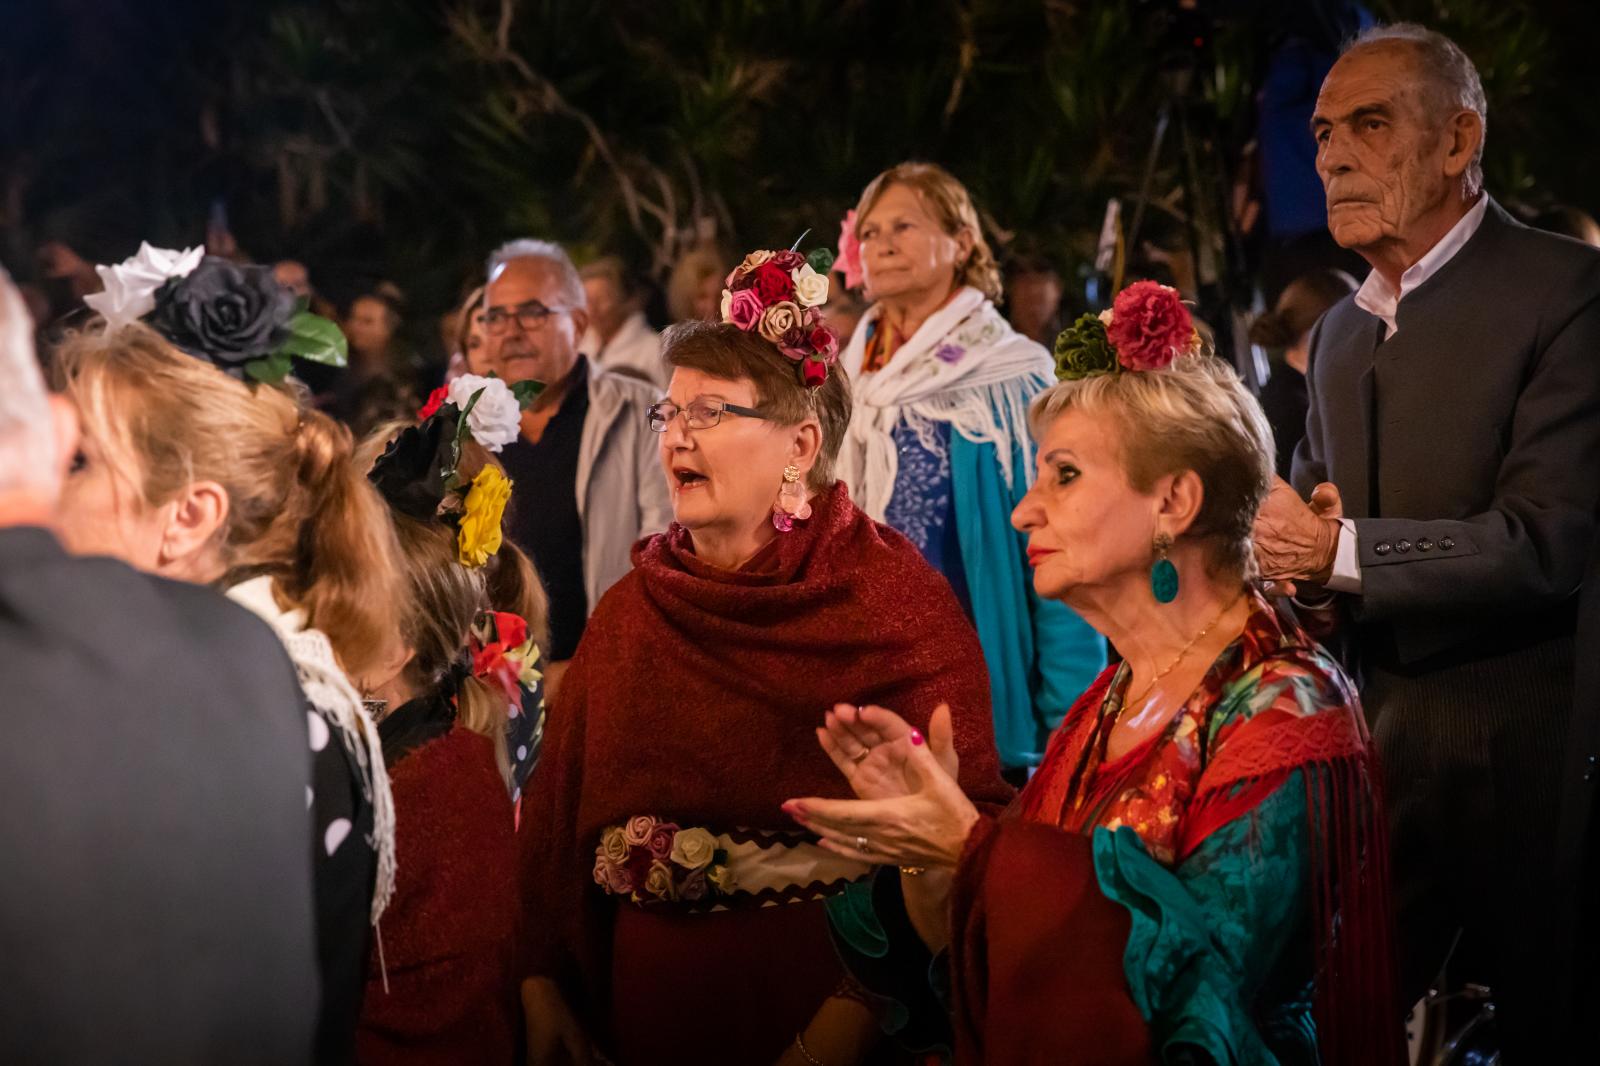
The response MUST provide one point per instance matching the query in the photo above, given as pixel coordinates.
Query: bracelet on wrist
(800, 1046)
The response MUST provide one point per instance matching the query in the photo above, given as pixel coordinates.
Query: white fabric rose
(810, 288)
(130, 286)
(693, 849)
(496, 418)
(727, 304)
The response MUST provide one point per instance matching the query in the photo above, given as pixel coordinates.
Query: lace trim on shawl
(328, 690)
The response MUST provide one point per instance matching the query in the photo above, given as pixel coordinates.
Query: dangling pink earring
(792, 506)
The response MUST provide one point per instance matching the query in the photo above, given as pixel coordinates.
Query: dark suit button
(1381, 548)
(1424, 545)
(1588, 775)
(1445, 544)
(1403, 547)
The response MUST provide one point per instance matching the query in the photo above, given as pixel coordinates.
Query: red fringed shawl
(696, 692)
(1175, 797)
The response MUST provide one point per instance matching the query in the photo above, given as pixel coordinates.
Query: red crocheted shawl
(696, 692)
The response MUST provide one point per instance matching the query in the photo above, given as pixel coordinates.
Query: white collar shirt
(1377, 298)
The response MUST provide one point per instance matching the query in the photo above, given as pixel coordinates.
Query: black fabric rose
(224, 312)
(412, 473)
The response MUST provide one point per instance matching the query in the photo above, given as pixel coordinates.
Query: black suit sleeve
(1530, 546)
(1310, 468)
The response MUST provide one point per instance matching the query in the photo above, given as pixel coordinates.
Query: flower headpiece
(780, 295)
(419, 476)
(238, 318)
(504, 655)
(1146, 328)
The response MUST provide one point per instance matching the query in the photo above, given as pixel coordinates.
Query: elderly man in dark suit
(1452, 460)
(155, 851)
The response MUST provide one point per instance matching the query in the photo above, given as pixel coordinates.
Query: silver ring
(863, 844)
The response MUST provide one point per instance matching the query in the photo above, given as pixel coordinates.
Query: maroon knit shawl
(1024, 891)
(696, 692)
(449, 933)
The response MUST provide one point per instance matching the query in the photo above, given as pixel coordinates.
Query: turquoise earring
(1163, 575)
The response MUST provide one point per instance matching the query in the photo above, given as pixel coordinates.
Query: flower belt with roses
(651, 862)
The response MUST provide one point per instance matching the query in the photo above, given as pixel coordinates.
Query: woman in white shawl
(938, 446)
(193, 466)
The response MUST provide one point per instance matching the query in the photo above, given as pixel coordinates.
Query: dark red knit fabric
(449, 935)
(1036, 951)
(695, 697)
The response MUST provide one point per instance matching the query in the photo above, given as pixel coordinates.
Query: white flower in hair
(130, 286)
(810, 288)
(496, 419)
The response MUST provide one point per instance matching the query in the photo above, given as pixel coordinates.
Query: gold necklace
(1197, 638)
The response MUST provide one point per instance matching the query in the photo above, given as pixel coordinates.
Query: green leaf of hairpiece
(821, 260)
(526, 391)
(462, 432)
(316, 340)
(269, 369)
(1083, 349)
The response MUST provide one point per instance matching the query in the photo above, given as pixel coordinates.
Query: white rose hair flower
(130, 286)
(496, 418)
(810, 288)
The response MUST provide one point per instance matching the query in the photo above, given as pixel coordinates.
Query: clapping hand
(911, 811)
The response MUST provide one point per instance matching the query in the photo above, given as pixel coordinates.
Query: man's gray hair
(550, 252)
(1451, 81)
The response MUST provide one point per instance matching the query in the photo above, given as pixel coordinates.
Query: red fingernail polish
(916, 736)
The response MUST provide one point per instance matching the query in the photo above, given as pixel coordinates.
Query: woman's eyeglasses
(697, 414)
(530, 316)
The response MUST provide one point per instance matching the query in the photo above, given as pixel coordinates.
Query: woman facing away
(938, 445)
(1196, 874)
(668, 892)
(194, 468)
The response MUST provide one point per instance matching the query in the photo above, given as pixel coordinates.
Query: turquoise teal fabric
(1041, 655)
(1209, 936)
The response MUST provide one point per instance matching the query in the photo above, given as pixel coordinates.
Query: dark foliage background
(403, 138)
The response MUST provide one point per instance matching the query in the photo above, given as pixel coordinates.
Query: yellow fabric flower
(478, 535)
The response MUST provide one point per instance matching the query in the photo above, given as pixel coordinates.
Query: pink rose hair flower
(1149, 326)
(745, 309)
(849, 251)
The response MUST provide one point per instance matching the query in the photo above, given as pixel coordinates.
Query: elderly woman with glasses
(668, 893)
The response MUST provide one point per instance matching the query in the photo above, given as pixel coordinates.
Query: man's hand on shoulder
(1296, 541)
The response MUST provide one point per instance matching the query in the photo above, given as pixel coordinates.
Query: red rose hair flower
(1149, 326)
(436, 400)
(772, 283)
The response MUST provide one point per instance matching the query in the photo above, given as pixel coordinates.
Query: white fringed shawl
(328, 690)
(966, 366)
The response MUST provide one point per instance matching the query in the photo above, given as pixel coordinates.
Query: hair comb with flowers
(419, 475)
(236, 317)
(504, 655)
(1146, 328)
(780, 296)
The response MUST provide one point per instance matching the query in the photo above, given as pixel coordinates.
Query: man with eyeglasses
(588, 481)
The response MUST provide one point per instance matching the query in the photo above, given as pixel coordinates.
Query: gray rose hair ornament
(236, 317)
